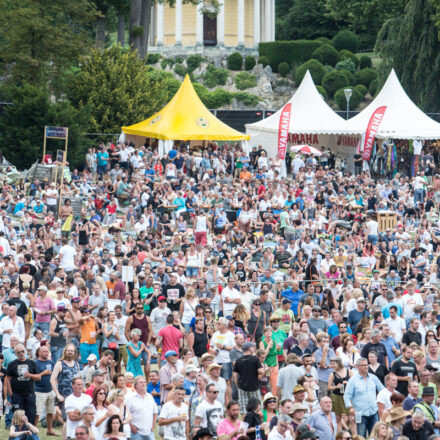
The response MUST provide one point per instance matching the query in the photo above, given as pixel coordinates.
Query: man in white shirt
(120, 322)
(410, 300)
(283, 429)
(174, 417)
(396, 324)
(11, 325)
(231, 297)
(74, 405)
(143, 410)
(372, 230)
(52, 198)
(297, 163)
(383, 397)
(67, 256)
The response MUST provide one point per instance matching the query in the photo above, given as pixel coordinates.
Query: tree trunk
(121, 28)
(145, 23)
(135, 24)
(100, 31)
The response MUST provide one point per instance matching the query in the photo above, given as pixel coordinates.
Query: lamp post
(348, 93)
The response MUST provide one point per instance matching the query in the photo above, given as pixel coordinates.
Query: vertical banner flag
(373, 126)
(283, 130)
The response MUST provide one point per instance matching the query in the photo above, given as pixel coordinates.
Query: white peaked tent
(312, 122)
(402, 118)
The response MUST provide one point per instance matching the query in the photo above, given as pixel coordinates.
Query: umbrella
(306, 149)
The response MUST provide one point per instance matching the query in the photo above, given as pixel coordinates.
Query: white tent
(402, 118)
(312, 122)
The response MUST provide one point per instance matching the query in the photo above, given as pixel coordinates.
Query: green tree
(117, 87)
(364, 17)
(410, 44)
(22, 125)
(306, 19)
(39, 38)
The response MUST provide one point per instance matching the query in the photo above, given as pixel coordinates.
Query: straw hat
(396, 414)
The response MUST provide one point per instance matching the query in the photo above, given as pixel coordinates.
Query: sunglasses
(208, 311)
(162, 301)
(213, 392)
(257, 304)
(272, 401)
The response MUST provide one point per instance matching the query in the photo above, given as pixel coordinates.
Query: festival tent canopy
(185, 118)
(310, 114)
(402, 118)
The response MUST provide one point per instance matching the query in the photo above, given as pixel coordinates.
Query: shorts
(226, 371)
(45, 403)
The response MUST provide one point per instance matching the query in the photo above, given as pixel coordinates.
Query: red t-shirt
(170, 339)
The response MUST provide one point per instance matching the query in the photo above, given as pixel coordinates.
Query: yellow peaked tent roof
(185, 118)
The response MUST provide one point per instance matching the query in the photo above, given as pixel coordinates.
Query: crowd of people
(203, 295)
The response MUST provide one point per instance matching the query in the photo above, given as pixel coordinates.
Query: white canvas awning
(402, 118)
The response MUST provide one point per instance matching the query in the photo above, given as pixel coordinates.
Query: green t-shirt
(146, 292)
(271, 358)
(279, 337)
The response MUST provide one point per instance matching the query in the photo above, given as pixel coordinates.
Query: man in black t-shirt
(377, 346)
(247, 372)
(405, 370)
(412, 335)
(19, 383)
(174, 293)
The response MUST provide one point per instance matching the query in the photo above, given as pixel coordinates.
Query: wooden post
(44, 145)
(62, 171)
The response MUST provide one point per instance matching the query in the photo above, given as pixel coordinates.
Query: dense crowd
(203, 295)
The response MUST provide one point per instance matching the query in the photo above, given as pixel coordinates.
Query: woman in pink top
(43, 308)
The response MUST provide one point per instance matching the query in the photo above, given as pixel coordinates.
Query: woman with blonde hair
(380, 431)
(188, 308)
(117, 406)
(21, 428)
(241, 316)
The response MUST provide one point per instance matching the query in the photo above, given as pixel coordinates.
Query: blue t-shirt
(189, 387)
(101, 158)
(43, 385)
(155, 388)
(294, 297)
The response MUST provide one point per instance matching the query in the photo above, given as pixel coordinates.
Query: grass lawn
(4, 434)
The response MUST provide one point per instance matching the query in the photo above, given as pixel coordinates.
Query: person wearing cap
(279, 336)
(285, 314)
(323, 421)
(247, 372)
(377, 346)
(58, 333)
(44, 307)
(356, 315)
(166, 373)
(360, 397)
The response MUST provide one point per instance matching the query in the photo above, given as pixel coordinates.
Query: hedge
(365, 76)
(326, 54)
(152, 58)
(292, 52)
(361, 89)
(180, 70)
(317, 70)
(365, 61)
(193, 62)
(215, 76)
(333, 81)
(346, 40)
(235, 61)
(341, 100)
(263, 60)
(249, 62)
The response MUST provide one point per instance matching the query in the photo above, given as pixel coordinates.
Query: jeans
(44, 327)
(86, 350)
(56, 353)
(366, 425)
(372, 239)
(418, 196)
(226, 371)
(192, 272)
(138, 436)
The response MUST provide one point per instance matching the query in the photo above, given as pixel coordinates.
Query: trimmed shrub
(283, 69)
(246, 98)
(361, 89)
(346, 64)
(235, 61)
(179, 59)
(180, 70)
(365, 61)
(348, 76)
(193, 62)
(152, 58)
(264, 61)
(329, 68)
(374, 86)
(218, 98)
(333, 81)
(249, 62)
(245, 80)
(293, 52)
(282, 83)
(346, 40)
(317, 70)
(324, 40)
(326, 54)
(322, 91)
(341, 100)
(171, 85)
(365, 76)
(166, 62)
(346, 54)
(215, 76)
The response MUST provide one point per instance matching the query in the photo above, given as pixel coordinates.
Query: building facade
(238, 24)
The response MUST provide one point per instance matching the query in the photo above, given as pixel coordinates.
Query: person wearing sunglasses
(19, 383)
(209, 412)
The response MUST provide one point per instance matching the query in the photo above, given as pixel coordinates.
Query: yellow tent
(185, 118)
